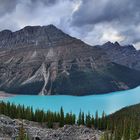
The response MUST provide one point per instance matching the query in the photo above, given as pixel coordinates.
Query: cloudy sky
(93, 21)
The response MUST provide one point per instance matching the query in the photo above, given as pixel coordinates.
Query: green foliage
(79, 121)
(62, 119)
(105, 136)
(83, 119)
(88, 120)
(22, 134)
(122, 125)
(134, 131)
(20, 112)
(96, 124)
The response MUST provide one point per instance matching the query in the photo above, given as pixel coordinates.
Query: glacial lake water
(106, 102)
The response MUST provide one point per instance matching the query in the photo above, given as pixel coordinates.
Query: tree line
(124, 124)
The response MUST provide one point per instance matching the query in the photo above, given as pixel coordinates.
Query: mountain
(44, 60)
(128, 115)
(33, 36)
(131, 112)
(124, 55)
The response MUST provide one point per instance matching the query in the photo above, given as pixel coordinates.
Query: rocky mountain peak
(111, 44)
(51, 26)
(116, 44)
(5, 34)
(41, 36)
(108, 43)
(32, 29)
(126, 55)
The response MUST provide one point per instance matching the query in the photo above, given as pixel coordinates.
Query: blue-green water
(106, 102)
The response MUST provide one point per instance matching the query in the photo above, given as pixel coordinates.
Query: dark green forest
(124, 124)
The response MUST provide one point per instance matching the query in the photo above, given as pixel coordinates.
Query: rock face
(44, 60)
(124, 55)
(33, 36)
(9, 129)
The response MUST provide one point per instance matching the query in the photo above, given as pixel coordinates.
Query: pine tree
(83, 119)
(79, 121)
(73, 119)
(96, 120)
(88, 120)
(118, 133)
(103, 121)
(61, 117)
(22, 134)
(126, 130)
(133, 133)
(92, 121)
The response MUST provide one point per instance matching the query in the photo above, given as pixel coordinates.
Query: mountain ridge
(58, 64)
(125, 55)
(34, 36)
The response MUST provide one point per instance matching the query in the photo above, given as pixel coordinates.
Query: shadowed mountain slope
(124, 55)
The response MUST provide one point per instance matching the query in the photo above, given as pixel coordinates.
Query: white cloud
(24, 14)
(137, 45)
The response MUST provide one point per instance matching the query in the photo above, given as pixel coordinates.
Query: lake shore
(109, 103)
(4, 95)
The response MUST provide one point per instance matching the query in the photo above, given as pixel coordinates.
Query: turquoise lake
(106, 102)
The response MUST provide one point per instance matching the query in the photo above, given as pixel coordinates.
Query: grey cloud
(45, 2)
(121, 15)
(95, 11)
(20, 13)
(131, 33)
(90, 21)
(7, 6)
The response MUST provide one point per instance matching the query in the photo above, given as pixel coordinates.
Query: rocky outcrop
(45, 60)
(9, 129)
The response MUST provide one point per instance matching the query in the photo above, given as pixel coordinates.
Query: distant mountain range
(124, 55)
(44, 60)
